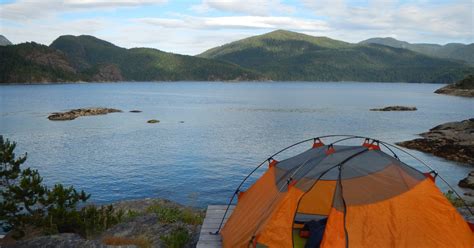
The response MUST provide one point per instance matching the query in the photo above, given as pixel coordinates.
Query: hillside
(88, 53)
(32, 62)
(450, 51)
(4, 41)
(285, 55)
(86, 58)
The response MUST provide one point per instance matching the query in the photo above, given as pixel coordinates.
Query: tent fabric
(367, 195)
(422, 217)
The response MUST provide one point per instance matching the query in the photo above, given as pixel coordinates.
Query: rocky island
(75, 113)
(395, 108)
(464, 87)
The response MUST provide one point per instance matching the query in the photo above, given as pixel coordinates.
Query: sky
(191, 27)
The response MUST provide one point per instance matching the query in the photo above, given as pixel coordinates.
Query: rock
(467, 182)
(135, 111)
(73, 114)
(108, 73)
(60, 240)
(146, 227)
(468, 194)
(395, 108)
(152, 121)
(464, 87)
(453, 141)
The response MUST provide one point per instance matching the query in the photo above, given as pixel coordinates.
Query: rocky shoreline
(464, 88)
(453, 141)
(75, 113)
(147, 223)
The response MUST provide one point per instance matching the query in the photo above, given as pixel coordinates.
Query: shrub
(177, 238)
(95, 220)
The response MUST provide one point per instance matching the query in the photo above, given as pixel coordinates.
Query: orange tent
(370, 199)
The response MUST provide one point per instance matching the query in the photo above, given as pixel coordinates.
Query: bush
(178, 238)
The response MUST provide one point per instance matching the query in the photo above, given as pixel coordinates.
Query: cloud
(406, 20)
(237, 22)
(247, 7)
(26, 10)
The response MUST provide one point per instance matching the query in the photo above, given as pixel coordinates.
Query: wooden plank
(214, 214)
(220, 207)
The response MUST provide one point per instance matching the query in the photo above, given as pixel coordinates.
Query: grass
(176, 239)
(170, 214)
(141, 241)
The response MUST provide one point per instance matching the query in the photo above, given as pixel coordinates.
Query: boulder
(467, 182)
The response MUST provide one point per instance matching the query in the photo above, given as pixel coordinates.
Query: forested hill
(455, 51)
(279, 56)
(86, 58)
(285, 55)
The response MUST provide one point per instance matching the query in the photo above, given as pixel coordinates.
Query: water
(228, 129)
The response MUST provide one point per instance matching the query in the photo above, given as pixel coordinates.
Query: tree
(26, 201)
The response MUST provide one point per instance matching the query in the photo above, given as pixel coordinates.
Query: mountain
(86, 58)
(88, 53)
(4, 41)
(289, 56)
(455, 51)
(279, 55)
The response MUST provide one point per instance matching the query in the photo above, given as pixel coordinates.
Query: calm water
(228, 129)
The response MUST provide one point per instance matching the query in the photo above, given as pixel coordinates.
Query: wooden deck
(213, 218)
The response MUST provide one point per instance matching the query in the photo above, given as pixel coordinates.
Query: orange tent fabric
(370, 199)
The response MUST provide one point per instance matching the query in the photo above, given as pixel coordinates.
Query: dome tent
(370, 199)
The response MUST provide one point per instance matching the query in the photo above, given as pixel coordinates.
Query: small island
(75, 113)
(395, 108)
(153, 121)
(464, 87)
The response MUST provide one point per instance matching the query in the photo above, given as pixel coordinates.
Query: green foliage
(26, 202)
(95, 220)
(177, 238)
(170, 214)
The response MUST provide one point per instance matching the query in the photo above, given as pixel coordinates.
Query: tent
(370, 199)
